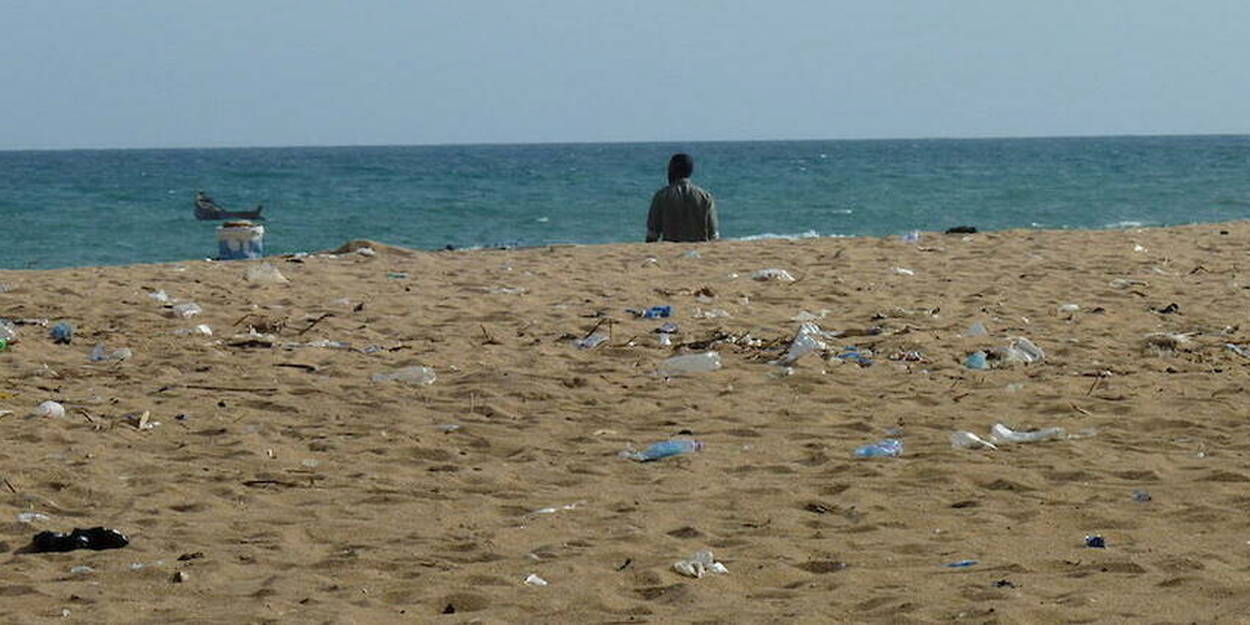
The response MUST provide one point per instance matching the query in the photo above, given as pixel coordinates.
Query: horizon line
(623, 142)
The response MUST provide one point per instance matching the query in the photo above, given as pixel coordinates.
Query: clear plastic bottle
(665, 449)
(411, 375)
(1003, 434)
(887, 448)
(690, 363)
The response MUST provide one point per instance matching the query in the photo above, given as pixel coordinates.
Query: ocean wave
(810, 234)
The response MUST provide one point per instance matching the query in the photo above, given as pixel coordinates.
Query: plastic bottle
(689, 363)
(8, 331)
(887, 448)
(1003, 434)
(411, 375)
(665, 449)
(591, 341)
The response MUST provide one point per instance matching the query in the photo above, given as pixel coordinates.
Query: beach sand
(287, 487)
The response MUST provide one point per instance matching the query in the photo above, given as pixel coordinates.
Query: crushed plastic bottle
(411, 375)
(1023, 350)
(886, 448)
(664, 449)
(689, 363)
(977, 361)
(1003, 434)
(591, 341)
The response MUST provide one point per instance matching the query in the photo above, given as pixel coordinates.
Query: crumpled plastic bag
(700, 563)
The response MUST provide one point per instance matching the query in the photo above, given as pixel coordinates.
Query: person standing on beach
(682, 211)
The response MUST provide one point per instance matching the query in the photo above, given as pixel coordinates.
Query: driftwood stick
(313, 323)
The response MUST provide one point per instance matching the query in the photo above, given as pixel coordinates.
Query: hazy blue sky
(167, 73)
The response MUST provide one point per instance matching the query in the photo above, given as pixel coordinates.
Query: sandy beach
(273, 480)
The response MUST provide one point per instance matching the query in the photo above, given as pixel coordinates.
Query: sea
(114, 207)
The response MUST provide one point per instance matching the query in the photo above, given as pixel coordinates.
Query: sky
(215, 73)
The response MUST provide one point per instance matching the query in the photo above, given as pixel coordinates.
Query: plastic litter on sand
(699, 564)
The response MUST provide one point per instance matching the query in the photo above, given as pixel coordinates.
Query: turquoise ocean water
(109, 207)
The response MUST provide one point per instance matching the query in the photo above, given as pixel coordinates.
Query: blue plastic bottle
(888, 448)
(664, 449)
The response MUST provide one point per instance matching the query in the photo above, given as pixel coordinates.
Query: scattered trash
(186, 310)
(397, 275)
(101, 353)
(961, 564)
(664, 449)
(50, 409)
(886, 448)
(1238, 349)
(1020, 349)
(1170, 309)
(700, 563)
(1165, 343)
(142, 420)
(161, 296)
(1069, 308)
(976, 329)
(902, 271)
(689, 363)
(534, 580)
(411, 375)
(62, 333)
(776, 275)
(912, 237)
(265, 273)
(8, 331)
(1003, 434)
(31, 517)
(657, 312)
(95, 538)
(692, 254)
(976, 360)
(711, 313)
(853, 354)
(555, 509)
(200, 329)
(968, 440)
(1141, 496)
(806, 341)
(81, 569)
(665, 339)
(591, 341)
(366, 251)
(1095, 542)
